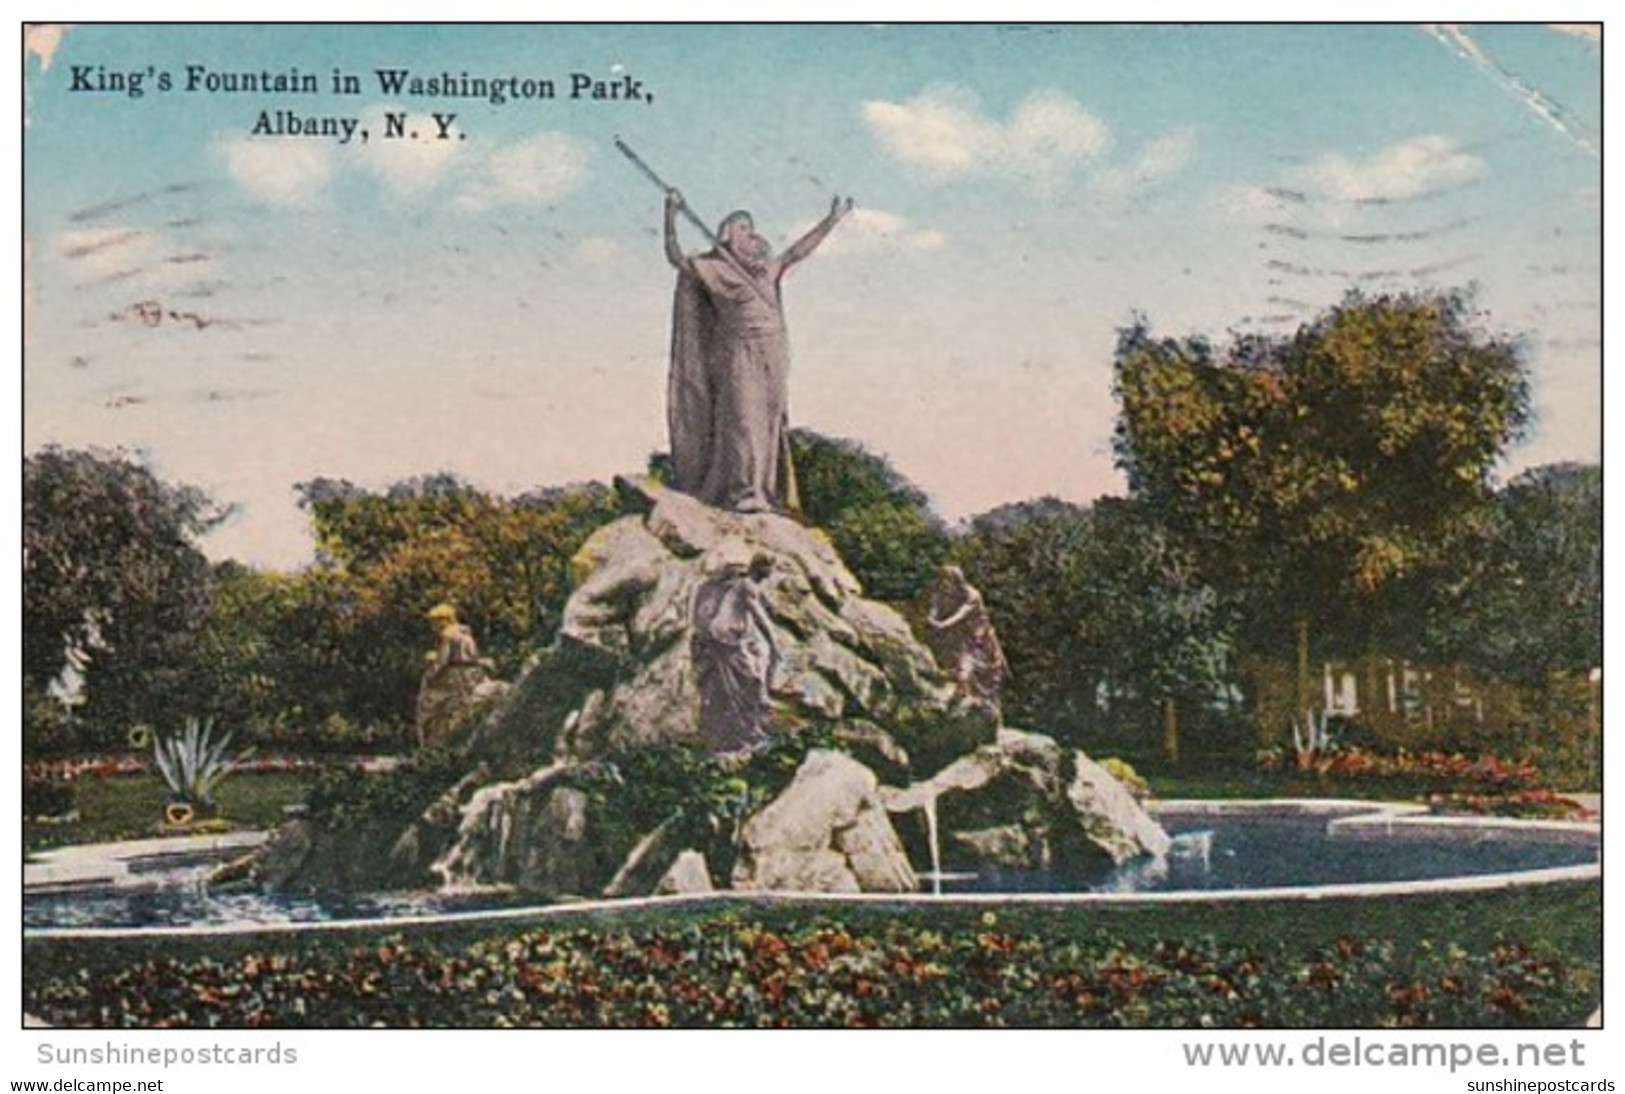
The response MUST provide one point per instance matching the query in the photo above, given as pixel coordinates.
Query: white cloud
(944, 132)
(532, 172)
(1159, 159)
(871, 231)
(598, 250)
(279, 172)
(1405, 170)
(1250, 204)
(405, 166)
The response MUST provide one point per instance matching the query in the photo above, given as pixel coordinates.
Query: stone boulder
(1113, 819)
(828, 832)
(533, 834)
(621, 679)
(689, 875)
(621, 674)
(1024, 801)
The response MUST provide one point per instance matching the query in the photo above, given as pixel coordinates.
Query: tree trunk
(1170, 730)
(1303, 703)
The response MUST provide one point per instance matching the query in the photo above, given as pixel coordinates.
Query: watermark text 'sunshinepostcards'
(167, 1056)
(1375, 1052)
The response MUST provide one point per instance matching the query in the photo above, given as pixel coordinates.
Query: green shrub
(633, 791)
(347, 797)
(47, 796)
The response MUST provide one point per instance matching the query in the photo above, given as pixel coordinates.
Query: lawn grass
(1242, 783)
(131, 806)
(1235, 781)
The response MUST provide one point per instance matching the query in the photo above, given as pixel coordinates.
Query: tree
(880, 522)
(388, 557)
(1103, 621)
(1527, 602)
(1311, 475)
(270, 658)
(113, 582)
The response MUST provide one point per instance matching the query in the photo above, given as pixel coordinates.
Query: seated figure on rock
(959, 633)
(456, 681)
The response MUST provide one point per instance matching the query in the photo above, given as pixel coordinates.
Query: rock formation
(827, 833)
(868, 730)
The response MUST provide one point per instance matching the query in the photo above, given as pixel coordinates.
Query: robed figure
(728, 392)
(734, 651)
(959, 632)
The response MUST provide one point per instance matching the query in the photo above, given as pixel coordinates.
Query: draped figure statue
(728, 390)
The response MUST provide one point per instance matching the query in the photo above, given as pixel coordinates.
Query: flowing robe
(733, 655)
(960, 636)
(728, 390)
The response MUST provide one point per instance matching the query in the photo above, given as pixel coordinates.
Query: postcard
(810, 526)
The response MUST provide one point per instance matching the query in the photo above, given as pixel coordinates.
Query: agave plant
(193, 762)
(1315, 741)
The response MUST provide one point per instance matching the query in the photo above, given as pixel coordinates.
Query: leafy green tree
(1527, 602)
(1026, 560)
(275, 657)
(112, 581)
(1313, 476)
(1104, 624)
(880, 522)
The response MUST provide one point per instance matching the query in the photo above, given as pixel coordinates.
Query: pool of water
(1218, 854)
(1209, 854)
(180, 898)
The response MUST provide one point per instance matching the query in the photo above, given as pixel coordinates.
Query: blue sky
(251, 312)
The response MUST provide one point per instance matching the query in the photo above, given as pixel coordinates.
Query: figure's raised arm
(807, 244)
(674, 252)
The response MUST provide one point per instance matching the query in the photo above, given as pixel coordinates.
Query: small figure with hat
(455, 680)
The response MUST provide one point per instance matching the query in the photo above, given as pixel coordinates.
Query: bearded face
(753, 249)
(738, 234)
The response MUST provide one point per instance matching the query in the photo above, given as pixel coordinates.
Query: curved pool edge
(1350, 817)
(1390, 817)
(90, 865)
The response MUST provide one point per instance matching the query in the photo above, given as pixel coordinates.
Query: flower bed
(722, 970)
(116, 766)
(1525, 804)
(1451, 782)
(1448, 770)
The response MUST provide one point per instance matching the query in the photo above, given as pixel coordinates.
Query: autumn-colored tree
(1310, 475)
(389, 557)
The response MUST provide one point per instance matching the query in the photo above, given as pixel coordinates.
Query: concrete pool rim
(108, 864)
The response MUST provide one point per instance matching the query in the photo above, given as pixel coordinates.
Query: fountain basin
(1258, 850)
(1322, 848)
